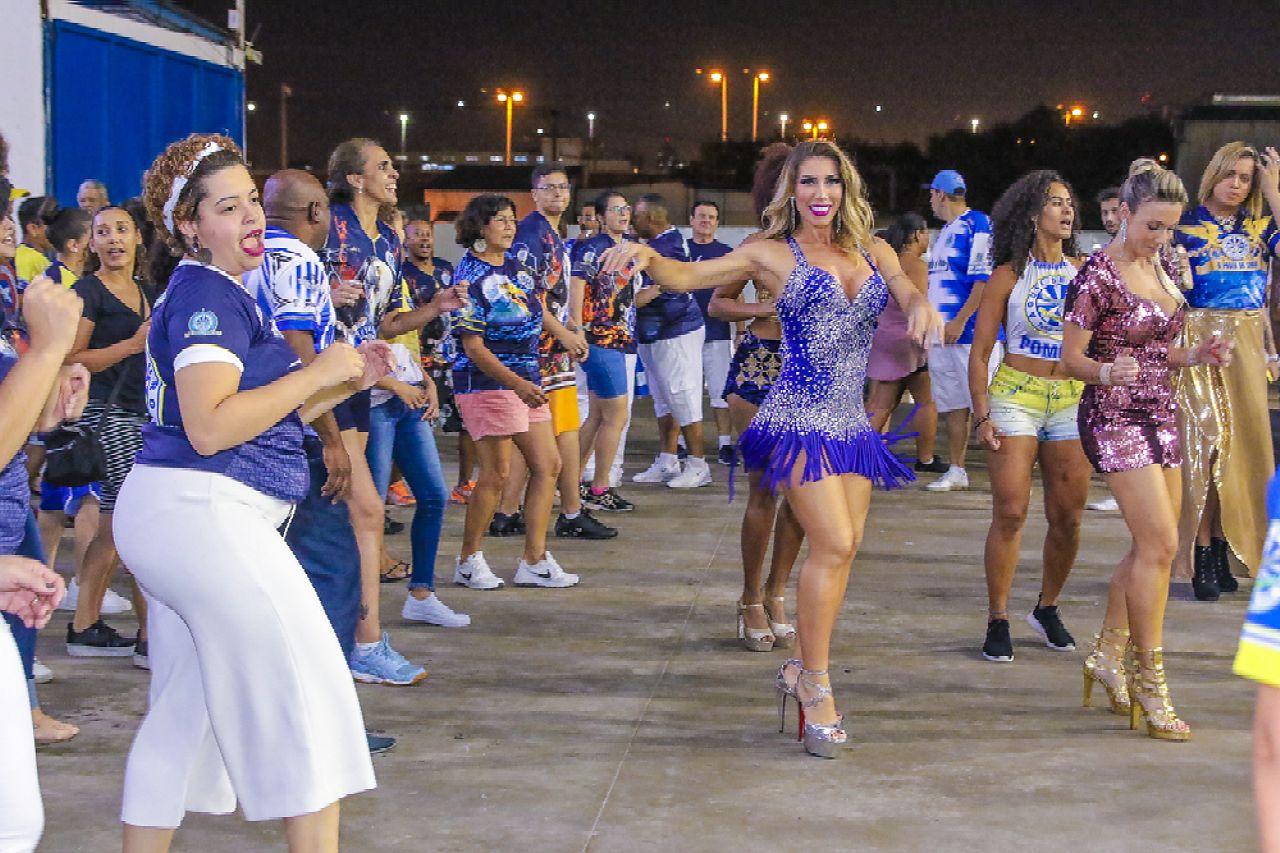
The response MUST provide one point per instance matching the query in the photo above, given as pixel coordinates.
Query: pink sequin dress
(1123, 427)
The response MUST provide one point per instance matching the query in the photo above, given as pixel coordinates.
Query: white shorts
(949, 374)
(21, 814)
(673, 369)
(251, 699)
(716, 356)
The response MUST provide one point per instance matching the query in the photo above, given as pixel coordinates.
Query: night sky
(932, 65)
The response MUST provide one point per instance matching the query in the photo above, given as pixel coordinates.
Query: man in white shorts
(717, 347)
(669, 336)
(959, 266)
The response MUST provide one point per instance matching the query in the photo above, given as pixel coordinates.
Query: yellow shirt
(29, 262)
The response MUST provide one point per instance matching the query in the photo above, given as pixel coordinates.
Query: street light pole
(760, 77)
(404, 124)
(782, 120)
(591, 127)
(285, 92)
(510, 100)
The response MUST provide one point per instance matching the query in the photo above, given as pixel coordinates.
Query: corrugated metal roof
(162, 14)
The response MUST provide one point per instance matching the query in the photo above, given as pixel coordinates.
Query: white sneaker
(433, 611)
(1104, 505)
(474, 572)
(73, 595)
(546, 573)
(955, 480)
(41, 673)
(113, 603)
(657, 473)
(696, 473)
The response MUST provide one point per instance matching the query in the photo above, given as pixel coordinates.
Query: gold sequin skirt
(1226, 436)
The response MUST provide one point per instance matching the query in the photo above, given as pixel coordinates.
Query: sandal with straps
(823, 740)
(754, 639)
(784, 633)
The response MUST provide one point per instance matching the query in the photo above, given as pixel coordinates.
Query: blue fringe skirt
(863, 453)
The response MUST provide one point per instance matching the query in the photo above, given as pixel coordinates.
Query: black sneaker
(610, 501)
(1045, 622)
(728, 455)
(998, 647)
(390, 527)
(583, 527)
(584, 492)
(141, 659)
(933, 466)
(99, 640)
(507, 525)
(379, 744)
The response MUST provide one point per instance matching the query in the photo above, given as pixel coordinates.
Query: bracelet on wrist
(1104, 374)
(980, 421)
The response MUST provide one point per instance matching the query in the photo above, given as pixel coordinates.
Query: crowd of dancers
(256, 365)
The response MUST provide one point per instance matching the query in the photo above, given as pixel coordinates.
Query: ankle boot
(1204, 579)
(1222, 566)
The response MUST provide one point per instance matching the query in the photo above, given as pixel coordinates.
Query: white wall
(22, 118)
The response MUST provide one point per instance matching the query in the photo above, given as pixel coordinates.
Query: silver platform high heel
(786, 691)
(821, 739)
(753, 639)
(784, 633)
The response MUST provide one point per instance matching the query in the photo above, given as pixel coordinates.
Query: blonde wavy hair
(1223, 161)
(854, 221)
(1149, 181)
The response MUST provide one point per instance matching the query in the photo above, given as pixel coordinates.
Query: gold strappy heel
(1105, 665)
(1149, 691)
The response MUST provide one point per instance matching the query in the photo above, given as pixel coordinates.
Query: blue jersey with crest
(207, 316)
(1229, 260)
(506, 312)
(439, 349)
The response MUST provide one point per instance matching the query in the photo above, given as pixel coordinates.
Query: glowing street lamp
(782, 120)
(816, 128)
(973, 125)
(591, 126)
(760, 77)
(404, 126)
(510, 100)
(722, 79)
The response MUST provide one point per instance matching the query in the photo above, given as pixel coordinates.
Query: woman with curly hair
(811, 437)
(1028, 412)
(251, 700)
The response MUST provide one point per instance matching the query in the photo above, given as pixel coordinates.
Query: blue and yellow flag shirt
(1259, 655)
(1228, 264)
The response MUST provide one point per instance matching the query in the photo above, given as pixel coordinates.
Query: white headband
(180, 183)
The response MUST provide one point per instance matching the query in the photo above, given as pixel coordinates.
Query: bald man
(292, 287)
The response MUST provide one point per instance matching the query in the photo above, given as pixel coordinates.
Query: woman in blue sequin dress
(811, 437)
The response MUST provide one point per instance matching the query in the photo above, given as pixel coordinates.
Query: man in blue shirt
(669, 336)
(959, 266)
(717, 348)
(293, 287)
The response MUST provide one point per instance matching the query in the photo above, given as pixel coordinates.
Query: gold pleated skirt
(1225, 431)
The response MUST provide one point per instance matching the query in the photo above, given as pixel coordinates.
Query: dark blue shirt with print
(670, 315)
(207, 316)
(374, 263)
(506, 312)
(15, 494)
(717, 330)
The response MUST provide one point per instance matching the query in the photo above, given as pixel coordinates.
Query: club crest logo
(1235, 246)
(203, 324)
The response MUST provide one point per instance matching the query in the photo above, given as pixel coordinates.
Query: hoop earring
(480, 246)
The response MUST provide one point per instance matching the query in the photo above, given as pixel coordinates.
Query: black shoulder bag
(73, 454)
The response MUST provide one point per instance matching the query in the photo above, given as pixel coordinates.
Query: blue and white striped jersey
(292, 287)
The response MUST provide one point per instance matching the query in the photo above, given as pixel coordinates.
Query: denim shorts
(1022, 404)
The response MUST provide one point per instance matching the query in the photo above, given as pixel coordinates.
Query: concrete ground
(622, 715)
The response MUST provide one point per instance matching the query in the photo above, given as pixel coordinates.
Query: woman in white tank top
(1028, 412)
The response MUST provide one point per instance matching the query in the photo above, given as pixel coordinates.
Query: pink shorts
(486, 414)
